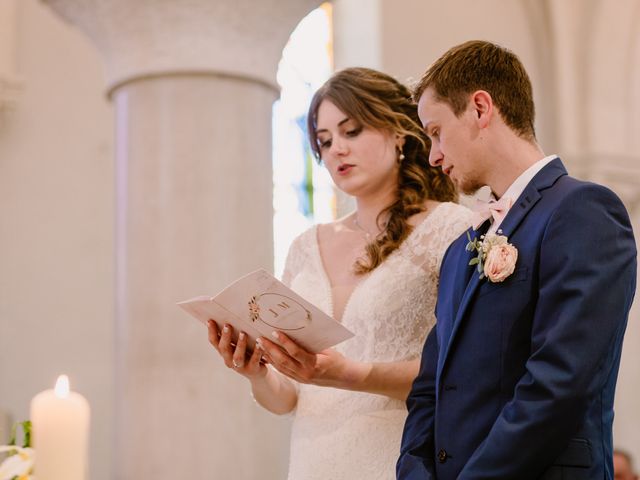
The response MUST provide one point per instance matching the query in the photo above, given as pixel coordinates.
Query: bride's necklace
(368, 235)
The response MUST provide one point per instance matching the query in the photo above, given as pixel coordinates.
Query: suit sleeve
(416, 453)
(587, 281)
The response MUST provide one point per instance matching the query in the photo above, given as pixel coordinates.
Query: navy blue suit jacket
(517, 379)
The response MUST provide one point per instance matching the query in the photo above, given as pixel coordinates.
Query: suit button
(442, 455)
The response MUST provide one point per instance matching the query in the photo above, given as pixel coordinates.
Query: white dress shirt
(520, 183)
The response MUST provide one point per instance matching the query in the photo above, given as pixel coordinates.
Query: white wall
(413, 33)
(56, 211)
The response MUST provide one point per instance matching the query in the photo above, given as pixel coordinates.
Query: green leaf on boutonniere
(471, 246)
(475, 245)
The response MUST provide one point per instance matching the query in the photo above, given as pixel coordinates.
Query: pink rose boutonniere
(496, 258)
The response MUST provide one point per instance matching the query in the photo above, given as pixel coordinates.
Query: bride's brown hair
(380, 102)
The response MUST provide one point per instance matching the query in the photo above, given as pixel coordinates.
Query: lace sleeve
(295, 258)
(441, 228)
(293, 265)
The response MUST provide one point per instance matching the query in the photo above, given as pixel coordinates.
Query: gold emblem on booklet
(278, 311)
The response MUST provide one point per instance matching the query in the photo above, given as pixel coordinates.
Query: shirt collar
(520, 183)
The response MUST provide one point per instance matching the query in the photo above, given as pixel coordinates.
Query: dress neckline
(325, 277)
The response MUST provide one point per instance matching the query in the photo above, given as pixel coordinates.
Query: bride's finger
(225, 345)
(240, 351)
(294, 350)
(256, 358)
(286, 370)
(264, 354)
(275, 352)
(277, 356)
(214, 334)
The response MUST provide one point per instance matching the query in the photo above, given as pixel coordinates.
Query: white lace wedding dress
(339, 434)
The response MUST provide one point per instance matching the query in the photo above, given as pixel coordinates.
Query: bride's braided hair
(378, 101)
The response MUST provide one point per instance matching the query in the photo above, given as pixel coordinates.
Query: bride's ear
(400, 141)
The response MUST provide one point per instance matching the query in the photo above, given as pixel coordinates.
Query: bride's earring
(400, 155)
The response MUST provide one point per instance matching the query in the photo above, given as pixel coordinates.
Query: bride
(375, 270)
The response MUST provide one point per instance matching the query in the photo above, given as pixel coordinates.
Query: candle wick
(62, 386)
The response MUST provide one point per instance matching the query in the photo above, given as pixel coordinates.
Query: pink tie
(493, 208)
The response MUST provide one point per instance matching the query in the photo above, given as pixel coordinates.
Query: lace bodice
(339, 434)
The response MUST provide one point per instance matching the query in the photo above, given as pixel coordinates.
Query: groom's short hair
(480, 65)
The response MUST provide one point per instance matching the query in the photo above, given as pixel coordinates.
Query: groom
(517, 379)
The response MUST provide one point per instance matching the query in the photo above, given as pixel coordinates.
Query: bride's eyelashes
(324, 143)
(354, 132)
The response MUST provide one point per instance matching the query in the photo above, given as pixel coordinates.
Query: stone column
(9, 81)
(193, 84)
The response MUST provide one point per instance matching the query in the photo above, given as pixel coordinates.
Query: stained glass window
(303, 192)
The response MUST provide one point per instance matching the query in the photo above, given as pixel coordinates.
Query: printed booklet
(258, 304)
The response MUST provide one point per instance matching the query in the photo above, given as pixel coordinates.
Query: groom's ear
(482, 105)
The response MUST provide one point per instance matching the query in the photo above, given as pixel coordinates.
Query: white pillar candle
(60, 421)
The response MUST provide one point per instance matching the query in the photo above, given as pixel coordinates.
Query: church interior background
(152, 151)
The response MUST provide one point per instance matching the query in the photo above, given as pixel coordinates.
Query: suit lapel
(529, 197)
(472, 285)
(465, 279)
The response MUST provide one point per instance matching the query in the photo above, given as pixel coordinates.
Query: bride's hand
(235, 357)
(327, 368)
